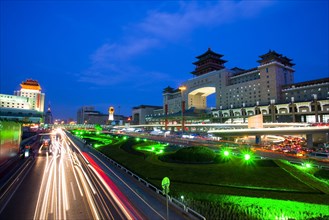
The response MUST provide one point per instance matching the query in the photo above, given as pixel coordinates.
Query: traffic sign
(165, 182)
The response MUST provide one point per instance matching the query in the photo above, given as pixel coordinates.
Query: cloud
(110, 63)
(118, 52)
(192, 15)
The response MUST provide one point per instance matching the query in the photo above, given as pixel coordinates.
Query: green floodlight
(145, 139)
(307, 165)
(226, 153)
(247, 157)
(161, 151)
(97, 132)
(125, 138)
(138, 139)
(153, 148)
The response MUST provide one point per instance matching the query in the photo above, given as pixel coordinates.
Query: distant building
(88, 115)
(140, 112)
(48, 116)
(26, 105)
(83, 112)
(32, 90)
(268, 88)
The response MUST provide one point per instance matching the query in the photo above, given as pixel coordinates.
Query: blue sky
(124, 53)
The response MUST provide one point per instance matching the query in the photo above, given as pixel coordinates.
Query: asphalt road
(75, 182)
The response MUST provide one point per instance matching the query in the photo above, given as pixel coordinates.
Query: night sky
(124, 53)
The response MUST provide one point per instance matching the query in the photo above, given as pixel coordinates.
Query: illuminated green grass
(229, 207)
(253, 189)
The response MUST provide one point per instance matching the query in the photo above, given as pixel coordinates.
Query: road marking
(73, 191)
(116, 175)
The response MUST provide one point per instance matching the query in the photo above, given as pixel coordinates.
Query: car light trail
(88, 194)
(120, 199)
(129, 188)
(53, 198)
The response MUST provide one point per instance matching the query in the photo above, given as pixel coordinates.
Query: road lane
(51, 190)
(72, 183)
(146, 202)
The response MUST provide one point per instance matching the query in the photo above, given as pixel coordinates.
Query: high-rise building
(26, 105)
(32, 90)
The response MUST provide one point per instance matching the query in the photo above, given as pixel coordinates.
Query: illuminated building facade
(268, 88)
(32, 90)
(27, 105)
(12, 101)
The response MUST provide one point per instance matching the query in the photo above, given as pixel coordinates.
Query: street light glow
(182, 88)
(247, 156)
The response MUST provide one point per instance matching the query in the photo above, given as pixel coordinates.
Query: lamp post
(182, 89)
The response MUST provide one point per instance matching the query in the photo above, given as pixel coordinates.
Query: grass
(191, 155)
(252, 185)
(240, 207)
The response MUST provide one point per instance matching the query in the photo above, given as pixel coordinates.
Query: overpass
(242, 129)
(308, 131)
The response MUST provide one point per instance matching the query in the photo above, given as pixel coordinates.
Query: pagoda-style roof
(31, 84)
(271, 55)
(209, 52)
(169, 89)
(207, 62)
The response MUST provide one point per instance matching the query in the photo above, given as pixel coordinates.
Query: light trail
(88, 194)
(129, 187)
(53, 199)
(115, 193)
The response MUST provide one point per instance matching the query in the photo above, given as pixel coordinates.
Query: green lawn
(260, 178)
(205, 185)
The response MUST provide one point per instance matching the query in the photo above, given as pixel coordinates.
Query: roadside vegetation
(220, 184)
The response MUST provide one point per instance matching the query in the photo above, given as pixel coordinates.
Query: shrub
(191, 155)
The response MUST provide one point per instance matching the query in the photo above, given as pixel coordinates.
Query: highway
(72, 182)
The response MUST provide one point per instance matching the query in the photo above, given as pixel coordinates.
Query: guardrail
(174, 201)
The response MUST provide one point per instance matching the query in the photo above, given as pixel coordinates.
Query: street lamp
(182, 89)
